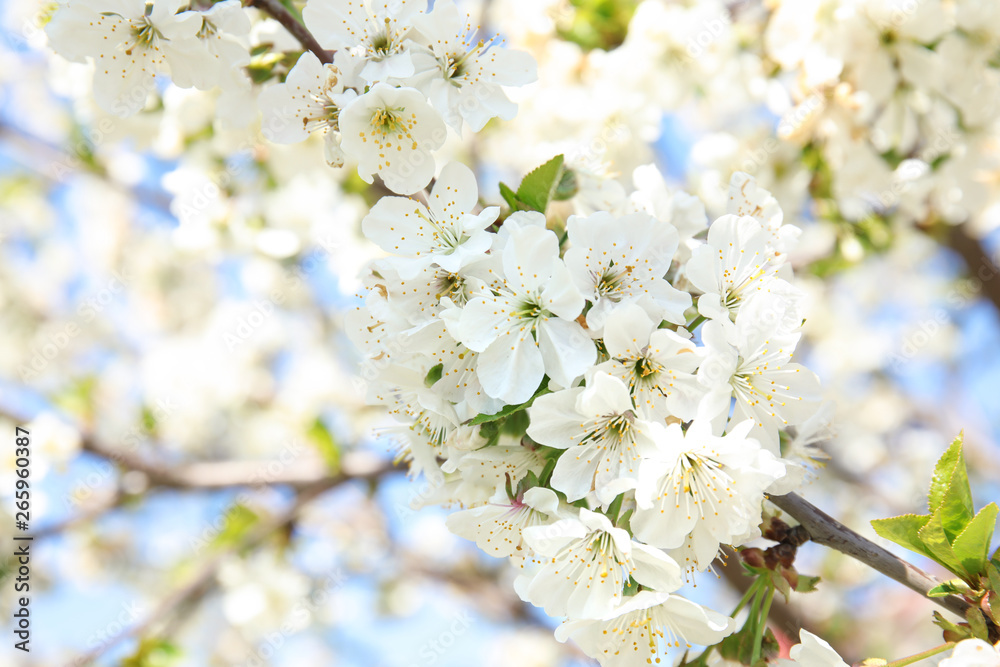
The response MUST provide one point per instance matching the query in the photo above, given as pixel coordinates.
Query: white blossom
(372, 31)
(445, 232)
(700, 491)
(656, 364)
(603, 438)
(527, 328)
(462, 75)
(644, 627)
(392, 132)
(973, 653)
(624, 260)
(753, 365)
(497, 527)
(309, 101)
(812, 652)
(130, 47)
(588, 563)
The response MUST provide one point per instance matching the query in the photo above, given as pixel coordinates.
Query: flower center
(451, 285)
(610, 283)
(530, 310)
(207, 29)
(644, 367)
(144, 35)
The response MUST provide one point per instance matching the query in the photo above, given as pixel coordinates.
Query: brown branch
(978, 263)
(93, 511)
(824, 529)
(218, 474)
(204, 580)
(292, 25)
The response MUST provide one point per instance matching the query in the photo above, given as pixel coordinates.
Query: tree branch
(978, 262)
(292, 25)
(824, 529)
(199, 584)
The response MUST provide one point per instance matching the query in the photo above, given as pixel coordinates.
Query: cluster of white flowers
(394, 79)
(603, 399)
(132, 43)
(898, 96)
(400, 76)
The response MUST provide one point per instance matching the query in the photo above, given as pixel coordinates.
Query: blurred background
(209, 487)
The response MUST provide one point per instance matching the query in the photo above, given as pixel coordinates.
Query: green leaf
(567, 187)
(433, 375)
(516, 424)
(781, 585)
(239, 521)
(328, 448)
(538, 187)
(596, 24)
(490, 431)
(631, 587)
(904, 531)
(511, 198)
(936, 541)
(956, 632)
(946, 588)
(977, 623)
(550, 465)
(615, 508)
(153, 653)
(993, 577)
(483, 418)
(972, 546)
(942, 474)
(807, 584)
(950, 489)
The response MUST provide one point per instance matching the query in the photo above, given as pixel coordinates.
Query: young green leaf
(950, 497)
(806, 584)
(938, 545)
(977, 623)
(483, 418)
(567, 187)
(903, 530)
(615, 508)
(539, 186)
(946, 588)
(509, 197)
(433, 375)
(993, 577)
(328, 448)
(953, 632)
(942, 474)
(972, 546)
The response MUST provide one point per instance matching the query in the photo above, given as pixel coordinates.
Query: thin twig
(824, 529)
(204, 579)
(979, 263)
(292, 25)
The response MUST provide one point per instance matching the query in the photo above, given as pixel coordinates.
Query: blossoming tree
(612, 352)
